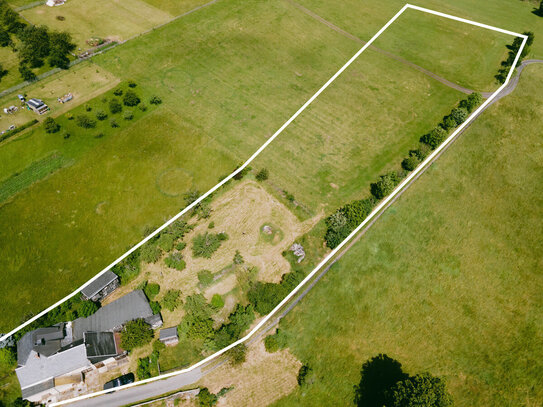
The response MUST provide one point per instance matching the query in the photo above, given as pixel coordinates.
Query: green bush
(88, 107)
(179, 228)
(87, 308)
(171, 300)
(175, 261)
(239, 321)
(50, 125)
(8, 358)
(411, 162)
(304, 375)
(421, 152)
(238, 258)
(101, 115)
(128, 115)
(265, 296)
(237, 354)
(143, 370)
(132, 84)
(155, 307)
(206, 398)
(204, 245)
(165, 241)
(180, 246)
(262, 175)
(149, 253)
(459, 115)
(448, 123)
(130, 98)
(155, 100)
(151, 290)
(85, 121)
(205, 277)
(118, 92)
(217, 302)
(113, 123)
(129, 268)
(115, 106)
(385, 185)
(136, 334)
(142, 107)
(435, 137)
(275, 342)
(471, 102)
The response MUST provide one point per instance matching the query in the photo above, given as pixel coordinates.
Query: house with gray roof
(101, 287)
(168, 336)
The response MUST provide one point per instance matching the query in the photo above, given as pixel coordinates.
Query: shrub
(179, 228)
(151, 290)
(448, 123)
(88, 108)
(129, 268)
(66, 135)
(171, 300)
(8, 358)
(144, 370)
(238, 258)
(435, 137)
(180, 246)
(289, 196)
(101, 115)
(205, 277)
(274, 342)
(304, 375)
(204, 245)
(149, 253)
(155, 307)
(410, 163)
(136, 334)
(50, 125)
(69, 116)
(155, 100)
(237, 354)
(132, 84)
(130, 98)
(197, 326)
(384, 186)
(99, 135)
(115, 106)
(165, 241)
(262, 175)
(128, 115)
(85, 121)
(87, 308)
(142, 107)
(175, 261)
(239, 320)
(222, 236)
(472, 101)
(113, 123)
(459, 115)
(26, 73)
(422, 152)
(206, 398)
(211, 225)
(217, 302)
(118, 92)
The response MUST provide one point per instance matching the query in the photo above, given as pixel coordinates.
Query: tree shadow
(378, 375)
(538, 12)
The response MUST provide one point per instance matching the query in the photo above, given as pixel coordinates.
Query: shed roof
(44, 341)
(100, 345)
(168, 333)
(35, 103)
(131, 306)
(99, 284)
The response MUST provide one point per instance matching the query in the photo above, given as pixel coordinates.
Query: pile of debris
(298, 251)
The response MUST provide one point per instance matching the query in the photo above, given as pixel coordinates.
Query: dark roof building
(37, 106)
(101, 287)
(168, 336)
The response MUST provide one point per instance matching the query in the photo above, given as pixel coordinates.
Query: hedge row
(11, 133)
(513, 51)
(343, 221)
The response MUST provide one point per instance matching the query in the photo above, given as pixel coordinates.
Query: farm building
(168, 336)
(101, 287)
(37, 106)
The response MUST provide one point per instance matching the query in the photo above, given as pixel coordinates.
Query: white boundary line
(377, 209)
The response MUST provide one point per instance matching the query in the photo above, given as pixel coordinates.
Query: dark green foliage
(175, 261)
(459, 115)
(132, 84)
(142, 107)
(136, 334)
(165, 241)
(8, 358)
(129, 268)
(385, 185)
(149, 253)
(242, 173)
(237, 354)
(238, 258)
(196, 327)
(180, 246)
(144, 370)
(211, 225)
(204, 245)
(217, 302)
(421, 152)
(206, 398)
(179, 228)
(266, 296)
(513, 51)
(411, 162)
(85, 121)
(50, 125)
(239, 321)
(61, 47)
(304, 375)
(5, 39)
(191, 196)
(88, 107)
(155, 100)
(471, 102)
(11, 133)
(448, 123)
(26, 72)
(289, 196)
(151, 290)
(87, 308)
(130, 98)
(155, 307)
(115, 106)
(113, 123)
(171, 300)
(101, 115)
(435, 137)
(262, 175)
(128, 115)
(118, 92)
(421, 390)
(378, 375)
(346, 219)
(205, 277)
(276, 341)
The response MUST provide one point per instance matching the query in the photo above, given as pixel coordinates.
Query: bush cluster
(50, 125)
(506, 65)
(136, 334)
(205, 244)
(175, 261)
(265, 296)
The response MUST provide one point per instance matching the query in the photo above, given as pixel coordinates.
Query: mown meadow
(448, 281)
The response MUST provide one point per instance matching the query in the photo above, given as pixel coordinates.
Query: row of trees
(506, 65)
(344, 220)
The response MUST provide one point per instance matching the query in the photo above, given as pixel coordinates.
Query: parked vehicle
(120, 381)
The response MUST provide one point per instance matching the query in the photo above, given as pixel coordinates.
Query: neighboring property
(101, 287)
(54, 360)
(37, 106)
(52, 3)
(168, 336)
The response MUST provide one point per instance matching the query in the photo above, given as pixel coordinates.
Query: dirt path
(426, 72)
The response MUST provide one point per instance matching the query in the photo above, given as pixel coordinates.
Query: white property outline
(377, 209)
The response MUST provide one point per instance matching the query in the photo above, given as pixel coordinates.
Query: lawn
(10, 63)
(449, 280)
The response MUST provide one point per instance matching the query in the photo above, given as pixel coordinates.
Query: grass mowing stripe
(33, 173)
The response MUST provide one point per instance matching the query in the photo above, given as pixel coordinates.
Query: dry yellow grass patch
(261, 380)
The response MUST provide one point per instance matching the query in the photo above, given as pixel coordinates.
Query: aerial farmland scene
(271, 203)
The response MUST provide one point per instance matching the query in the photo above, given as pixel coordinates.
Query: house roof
(44, 341)
(99, 284)
(38, 388)
(100, 345)
(131, 306)
(168, 333)
(35, 103)
(41, 368)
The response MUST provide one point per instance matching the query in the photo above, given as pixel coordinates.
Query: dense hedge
(11, 133)
(513, 51)
(265, 296)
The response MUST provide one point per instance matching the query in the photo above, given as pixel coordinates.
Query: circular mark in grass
(174, 181)
(270, 233)
(176, 77)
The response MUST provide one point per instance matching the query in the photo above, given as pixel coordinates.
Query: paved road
(404, 61)
(155, 389)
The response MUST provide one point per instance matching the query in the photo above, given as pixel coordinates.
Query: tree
(149, 253)
(459, 115)
(262, 175)
(237, 354)
(472, 101)
(136, 334)
(3, 72)
(435, 137)
(115, 106)
(8, 358)
(175, 261)
(377, 376)
(5, 39)
(50, 125)
(85, 121)
(304, 375)
(144, 369)
(171, 300)
(151, 290)
(155, 100)
(384, 186)
(238, 259)
(101, 115)
(205, 277)
(421, 390)
(411, 162)
(206, 398)
(130, 98)
(87, 308)
(204, 245)
(539, 11)
(26, 73)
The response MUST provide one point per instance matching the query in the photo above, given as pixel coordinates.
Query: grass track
(449, 279)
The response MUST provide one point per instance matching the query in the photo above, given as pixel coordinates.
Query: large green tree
(421, 390)
(136, 334)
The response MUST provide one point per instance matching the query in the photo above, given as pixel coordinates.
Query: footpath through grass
(449, 279)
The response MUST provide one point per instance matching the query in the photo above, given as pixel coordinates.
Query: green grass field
(449, 279)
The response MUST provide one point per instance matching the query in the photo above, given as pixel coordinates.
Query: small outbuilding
(168, 336)
(101, 287)
(37, 106)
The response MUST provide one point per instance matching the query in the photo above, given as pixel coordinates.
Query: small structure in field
(37, 106)
(168, 336)
(267, 229)
(53, 3)
(65, 98)
(298, 251)
(10, 110)
(101, 287)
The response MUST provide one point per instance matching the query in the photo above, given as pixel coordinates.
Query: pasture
(449, 280)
